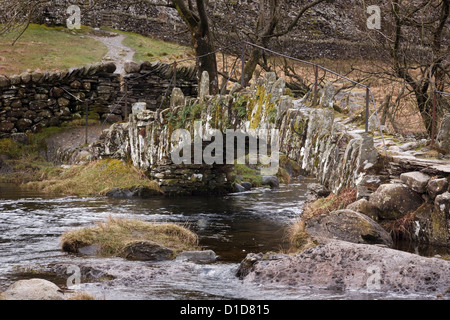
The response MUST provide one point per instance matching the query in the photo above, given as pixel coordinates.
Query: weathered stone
(4, 82)
(348, 225)
(328, 92)
(138, 107)
(443, 136)
(441, 219)
(36, 76)
(417, 181)
(25, 77)
(147, 251)
(206, 256)
(277, 90)
(75, 84)
(246, 185)
(436, 187)
(203, 89)
(6, 126)
(20, 137)
(119, 193)
(345, 266)
(24, 124)
(271, 181)
(318, 190)
(91, 250)
(177, 99)
(34, 289)
(239, 188)
(394, 200)
(132, 67)
(63, 102)
(368, 155)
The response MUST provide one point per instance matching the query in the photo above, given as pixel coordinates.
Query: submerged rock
(342, 266)
(147, 251)
(197, 256)
(34, 289)
(348, 225)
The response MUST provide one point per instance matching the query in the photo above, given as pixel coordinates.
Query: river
(31, 224)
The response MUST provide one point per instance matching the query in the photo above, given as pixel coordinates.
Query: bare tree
(415, 34)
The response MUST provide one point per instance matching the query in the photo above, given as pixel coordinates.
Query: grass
(299, 239)
(150, 49)
(27, 159)
(95, 178)
(331, 203)
(248, 174)
(114, 234)
(45, 48)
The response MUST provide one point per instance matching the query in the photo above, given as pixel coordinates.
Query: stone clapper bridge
(324, 146)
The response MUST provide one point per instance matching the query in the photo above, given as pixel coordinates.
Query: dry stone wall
(34, 100)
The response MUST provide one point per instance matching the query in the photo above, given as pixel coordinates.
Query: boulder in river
(147, 251)
(34, 289)
(348, 225)
(271, 181)
(342, 266)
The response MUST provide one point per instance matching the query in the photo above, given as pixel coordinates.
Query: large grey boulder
(346, 266)
(416, 180)
(147, 251)
(34, 289)
(394, 200)
(348, 225)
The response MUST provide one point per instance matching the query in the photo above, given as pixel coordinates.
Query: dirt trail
(117, 51)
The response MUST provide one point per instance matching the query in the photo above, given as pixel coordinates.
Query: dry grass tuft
(331, 203)
(114, 234)
(402, 228)
(96, 178)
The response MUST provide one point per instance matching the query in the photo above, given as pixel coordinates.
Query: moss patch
(95, 178)
(114, 234)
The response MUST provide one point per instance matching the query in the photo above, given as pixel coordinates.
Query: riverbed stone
(416, 180)
(348, 225)
(394, 200)
(146, 251)
(205, 256)
(346, 266)
(271, 181)
(34, 289)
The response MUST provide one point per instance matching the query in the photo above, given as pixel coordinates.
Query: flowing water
(31, 225)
